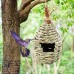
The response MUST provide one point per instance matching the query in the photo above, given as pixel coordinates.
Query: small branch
(58, 64)
(29, 7)
(55, 68)
(53, 11)
(25, 12)
(24, 3)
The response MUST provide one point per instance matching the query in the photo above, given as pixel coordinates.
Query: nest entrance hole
(48, 47)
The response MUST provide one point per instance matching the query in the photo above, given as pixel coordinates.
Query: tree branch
(25, 12)
(24, 3)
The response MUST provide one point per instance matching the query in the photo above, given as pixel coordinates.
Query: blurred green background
(63, 19)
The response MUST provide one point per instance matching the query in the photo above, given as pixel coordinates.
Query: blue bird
(23, 44)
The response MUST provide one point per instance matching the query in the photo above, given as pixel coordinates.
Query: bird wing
(16, 37)
(24, 51)
(22, 43)
(19, 40)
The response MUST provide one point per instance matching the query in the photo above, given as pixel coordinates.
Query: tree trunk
(11, 52)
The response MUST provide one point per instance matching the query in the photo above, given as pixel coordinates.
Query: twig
(34, 65)
(58, 64)
(53, 11)
(56, 67)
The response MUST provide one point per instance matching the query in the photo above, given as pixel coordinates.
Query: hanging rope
(47, 14)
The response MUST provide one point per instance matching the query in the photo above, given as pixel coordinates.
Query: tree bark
(11, 52)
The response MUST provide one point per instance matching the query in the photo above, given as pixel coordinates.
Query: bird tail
(24, 52)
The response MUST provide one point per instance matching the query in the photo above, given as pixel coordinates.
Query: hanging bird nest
(48, 44)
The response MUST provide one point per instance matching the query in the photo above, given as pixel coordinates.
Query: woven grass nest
(48, 44)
